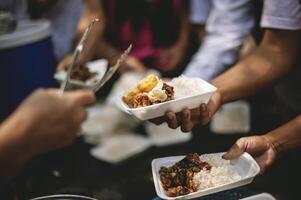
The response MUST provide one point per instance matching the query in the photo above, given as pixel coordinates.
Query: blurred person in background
(64, 16)
(45, 121)
(158, 30)
(275, 60)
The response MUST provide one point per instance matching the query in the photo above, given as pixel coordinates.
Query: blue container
(27, 62)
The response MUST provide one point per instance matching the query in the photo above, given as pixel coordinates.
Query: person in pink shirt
(158, 30)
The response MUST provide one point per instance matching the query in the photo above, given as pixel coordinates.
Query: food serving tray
(98, 66)
(262, 196)
(245, 165)
(158, 110)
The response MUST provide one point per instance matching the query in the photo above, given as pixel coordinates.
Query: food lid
(26, 33)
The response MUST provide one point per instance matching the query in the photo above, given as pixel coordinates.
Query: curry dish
(177, 180)
(82, 73)
(151, 90)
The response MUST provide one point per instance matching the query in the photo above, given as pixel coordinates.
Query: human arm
(172, 56)
(43, 122)
(92, 10)
(271, 61)
(267, 148)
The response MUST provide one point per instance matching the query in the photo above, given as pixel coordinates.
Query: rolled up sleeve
(279, 14)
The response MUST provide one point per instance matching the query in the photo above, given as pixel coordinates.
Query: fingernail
(170, 117)
(203, 107)
(227, 156)
(186, 114)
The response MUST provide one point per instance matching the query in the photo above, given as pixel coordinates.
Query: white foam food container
(176, 105)
(245, 165)
(98, 66)
(262, 196)
(162, 135)
(120, 148)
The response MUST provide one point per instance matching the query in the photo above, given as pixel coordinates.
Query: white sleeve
(229, 24)
(199, 11)
(281, 14)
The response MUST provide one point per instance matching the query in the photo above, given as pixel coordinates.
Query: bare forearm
(108, 51)
(287, 137)
(268, 63)
(93, 10)
(254, 73)
(184, 30)
(13, 149)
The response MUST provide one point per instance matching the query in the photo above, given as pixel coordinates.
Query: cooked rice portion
(222, 172)
(186, 86)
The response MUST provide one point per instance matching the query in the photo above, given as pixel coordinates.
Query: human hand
(260, 147)
(51, 121)
(172, 57)
(133, 64)
(187, 119)
(65, 63)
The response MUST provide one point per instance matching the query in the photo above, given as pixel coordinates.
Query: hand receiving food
(52, 120)
(260, 147)
(187, 119)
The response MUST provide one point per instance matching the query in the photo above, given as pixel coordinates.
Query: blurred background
(112, 158)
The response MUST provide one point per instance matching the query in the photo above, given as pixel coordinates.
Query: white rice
(222, 172)
(186, 86)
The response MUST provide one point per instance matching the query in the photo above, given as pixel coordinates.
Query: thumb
(236, 150)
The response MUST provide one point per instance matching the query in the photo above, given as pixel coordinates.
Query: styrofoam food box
(120, 147)
(245, 165)
(162, 135)
(262, 196)
(177, 105)
(99, 66)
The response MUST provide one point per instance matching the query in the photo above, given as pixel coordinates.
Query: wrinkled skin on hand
(260, 147)
(53, 120)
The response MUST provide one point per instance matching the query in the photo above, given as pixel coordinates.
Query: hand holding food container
(261, 148)
(152, 97)
(188, 118)
(191, 176)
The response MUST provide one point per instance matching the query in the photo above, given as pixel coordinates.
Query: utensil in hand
(112, 70)
(79, 48)
(94, 87)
